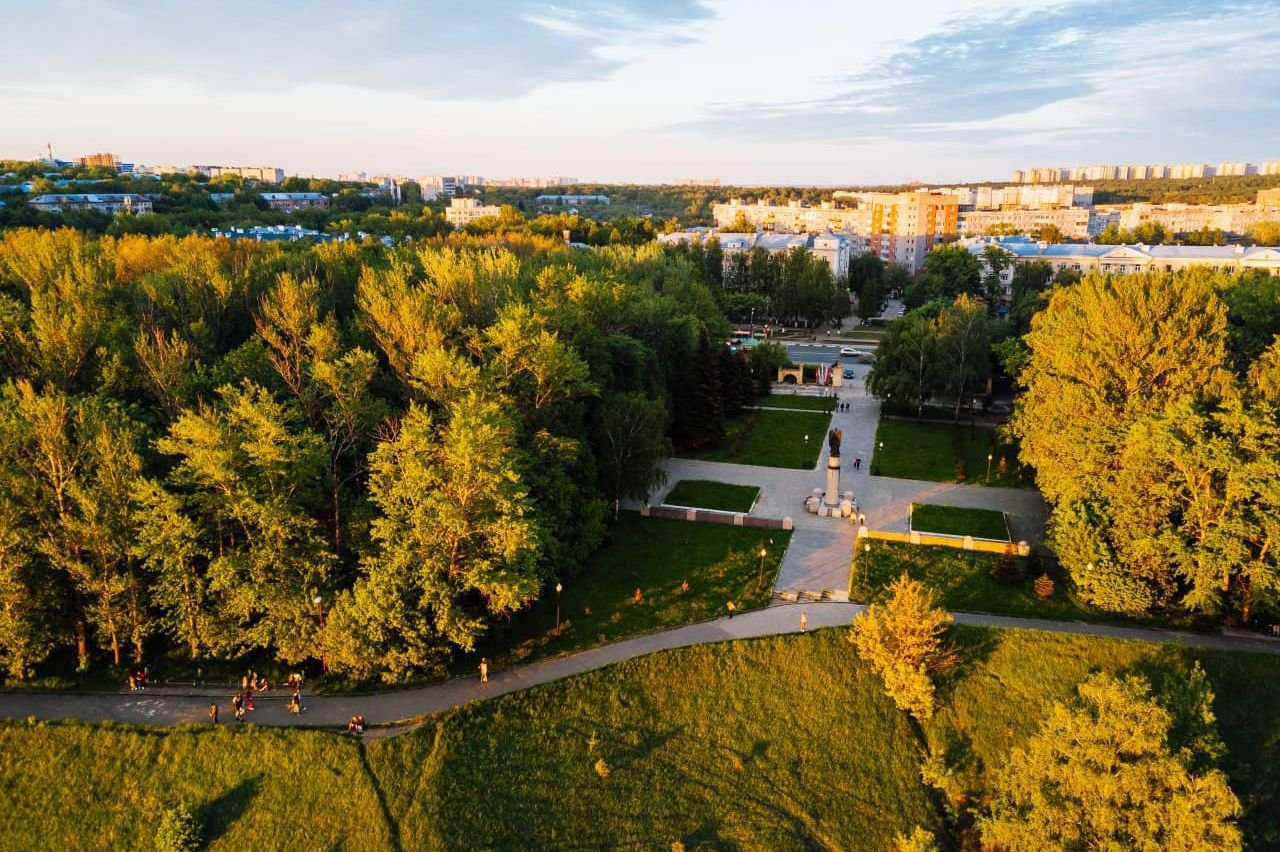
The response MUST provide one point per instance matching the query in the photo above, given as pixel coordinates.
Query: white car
(852, 352)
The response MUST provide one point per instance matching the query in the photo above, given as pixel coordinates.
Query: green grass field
(965, 581)
(932, 451)
(797, 403)
(707, 494)
(954, 520)
(777, 743)
(771, 439)
(598, 605)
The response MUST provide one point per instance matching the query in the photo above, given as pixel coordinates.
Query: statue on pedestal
(833, 441)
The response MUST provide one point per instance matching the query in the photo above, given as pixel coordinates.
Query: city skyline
(942, 91)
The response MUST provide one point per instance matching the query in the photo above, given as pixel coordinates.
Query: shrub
(1044, 586)
(178, 830)
(602, 769)
(962, 471)
(1009, 570)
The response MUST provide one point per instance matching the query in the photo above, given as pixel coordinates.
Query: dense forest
(214, 448)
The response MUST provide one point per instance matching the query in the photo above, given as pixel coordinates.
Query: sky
(748, 91)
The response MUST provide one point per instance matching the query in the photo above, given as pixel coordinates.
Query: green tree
(699, 411)
(1103, 774)
(455, 543)
(906, 368)
(1265, 234)
(168, 545)
(964, 345)
(632, 441)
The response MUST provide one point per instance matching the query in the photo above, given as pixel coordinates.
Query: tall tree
(632, 439)
(906, 368)
(456, 543)
(1104, 774)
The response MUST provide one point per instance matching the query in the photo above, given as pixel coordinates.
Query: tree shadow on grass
(217, 815)
(973, 647)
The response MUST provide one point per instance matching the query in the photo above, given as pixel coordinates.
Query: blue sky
(745, 90)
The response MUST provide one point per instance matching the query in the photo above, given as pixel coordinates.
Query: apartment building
(290, 201)
(794, 216)
(262, 174)
(113, 203)
(1128, 259)
(1030, 196)
(1145, 172)
(1073, 222)
(1185, 218)
(99, 161)
(835, 249)
(902, 227)
(462, 211)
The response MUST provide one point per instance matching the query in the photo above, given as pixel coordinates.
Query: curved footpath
(172, 706)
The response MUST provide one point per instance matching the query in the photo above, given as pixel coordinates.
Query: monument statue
(833, 441)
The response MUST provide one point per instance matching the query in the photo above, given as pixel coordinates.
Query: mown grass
(791, 439)
(782, 743)
(720, 562)
(956, 520)
(778, 743)
(941, 452)
(75, 786)
(964, 580)
(708, 494)
(798, 403)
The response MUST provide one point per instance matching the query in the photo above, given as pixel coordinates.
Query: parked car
(849, 373)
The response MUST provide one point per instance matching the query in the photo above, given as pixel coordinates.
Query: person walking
(857, 462)
(804, 623)
(248, 698)
(731, 609)
(213, 713)
(484, 670)
(237, 707)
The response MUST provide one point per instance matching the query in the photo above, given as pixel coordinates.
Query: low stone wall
(709, 516)
(959, 542)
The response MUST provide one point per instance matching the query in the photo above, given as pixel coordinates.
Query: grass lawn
(719, 561)
(953, 520)
(797, 402)
(770, 439)
(707, 494)
(932, 451)
(968, 581)
(778, 743)
(964, 580)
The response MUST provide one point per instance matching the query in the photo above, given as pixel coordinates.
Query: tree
(168, 545)
(632, 441)
(1049, 233)
(964, 341)
(1265, 234)
(906, 363)
(996, 260)
(1106, 774)
(902, 640)
(949, 270)
(1107, 355)
(456, 543)
(699, 414)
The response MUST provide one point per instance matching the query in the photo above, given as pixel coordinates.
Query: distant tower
(49, 147)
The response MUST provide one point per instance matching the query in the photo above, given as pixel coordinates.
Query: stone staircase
(805, 595)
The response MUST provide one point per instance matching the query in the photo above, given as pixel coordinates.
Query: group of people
(137, 679)
(242, 701)
(842, 407)
(356, 726)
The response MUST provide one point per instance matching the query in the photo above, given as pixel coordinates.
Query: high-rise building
(100, 161)
(461, 211)
(902, 227)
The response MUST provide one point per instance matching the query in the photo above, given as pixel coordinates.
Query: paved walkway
(178, 706)
(821, 548)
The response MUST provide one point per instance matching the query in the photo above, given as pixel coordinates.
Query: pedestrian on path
(248, 698)
(857, 463)
(237, 707)
(213, 713)
(731, 609)
(484, 670)
(804, 623)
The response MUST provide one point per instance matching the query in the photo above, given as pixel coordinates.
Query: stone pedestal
(833, 481)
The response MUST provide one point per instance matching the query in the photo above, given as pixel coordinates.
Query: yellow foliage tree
(902, 640)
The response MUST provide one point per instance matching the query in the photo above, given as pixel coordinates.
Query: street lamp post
(559, 589)
(760, 581)
(989, 456)
(866, 548)
(319, 602)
